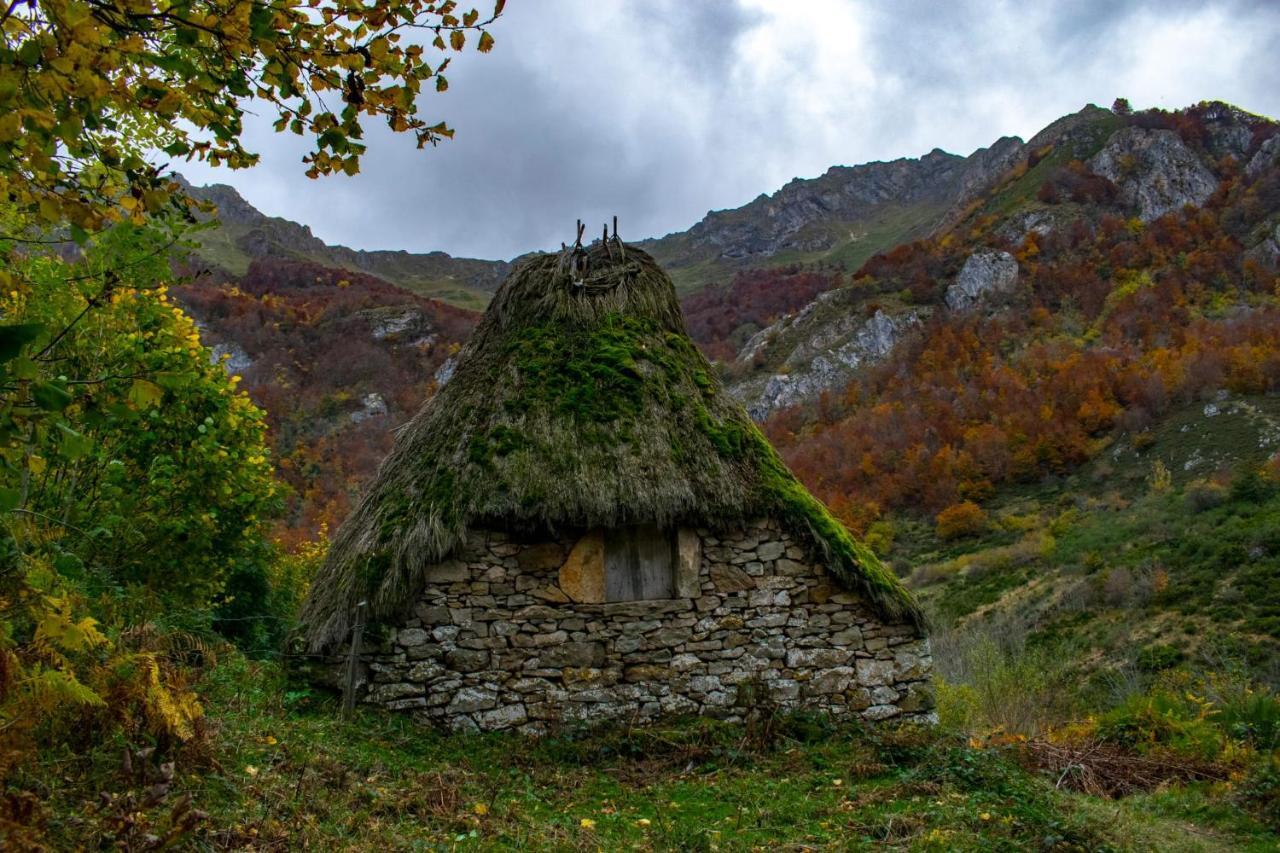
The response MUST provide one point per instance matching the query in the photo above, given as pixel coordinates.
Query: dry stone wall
(495, 642)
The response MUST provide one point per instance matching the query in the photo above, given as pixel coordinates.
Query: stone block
(881, 712)
(590, 675)
(468, 699)
(917, 697)
(432, 615)
(769, 598)
(818, 658)
(668, 637)
(851, 636)
(685, 662)
(467, 660)
(821, 593)
(628, 643)
(582, 572)
(445, 633)
(550, 592)
(543, 557)
(505, 717)
(646, 672)
(574, 654)
(728, 578)
(411, 637)
(883, 695)
(688, 563)
(387, 692)
(450, 571)
(705, 683)
(770, 550)
(424, 671)
(784, 690)
(834, 680)
(536, 613)
(872, 673)
(908, 666)
(538, 640)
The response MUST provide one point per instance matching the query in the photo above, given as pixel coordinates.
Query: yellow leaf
(457, 39)
(587, 823)
(36, 465)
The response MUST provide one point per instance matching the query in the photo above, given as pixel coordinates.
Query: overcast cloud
(660, 111)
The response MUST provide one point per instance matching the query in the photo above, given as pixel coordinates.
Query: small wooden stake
(353, 663)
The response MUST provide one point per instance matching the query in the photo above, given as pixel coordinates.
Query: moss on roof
(573, 406)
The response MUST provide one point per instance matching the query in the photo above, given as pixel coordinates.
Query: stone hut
(581, 525)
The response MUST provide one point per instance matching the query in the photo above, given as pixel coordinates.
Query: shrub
(1203, 495)
(879, 537)
(960, 520)
(1249, 486)
(1253, 716)
(1164, 721)
(989, 679)
(262, 598)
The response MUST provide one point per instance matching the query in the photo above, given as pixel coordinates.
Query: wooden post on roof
(353, 662)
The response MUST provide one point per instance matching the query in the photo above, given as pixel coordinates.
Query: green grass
(1120, 575)
(853, 243)
(280, 770)
(1084, 142)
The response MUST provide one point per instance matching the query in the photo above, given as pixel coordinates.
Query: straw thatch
(580, 402)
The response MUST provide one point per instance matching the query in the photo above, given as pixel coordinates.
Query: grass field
(278, 770)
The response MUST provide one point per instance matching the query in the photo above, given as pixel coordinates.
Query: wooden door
(639, 563)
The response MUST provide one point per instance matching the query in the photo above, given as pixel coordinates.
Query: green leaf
(172, 380)
(50, 396)
(9, 499)
(260, 21)
(143, 393)
(14, 337)
(79, 235)
(30, 52)
(69, 566)
(25, 368)
(74, 444)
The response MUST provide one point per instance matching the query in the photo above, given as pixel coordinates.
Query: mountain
(1070, 350)
(336, 358)
(1081, 169)
(244, 234)
(841, 218)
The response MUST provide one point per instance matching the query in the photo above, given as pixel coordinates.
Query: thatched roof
(578, 403)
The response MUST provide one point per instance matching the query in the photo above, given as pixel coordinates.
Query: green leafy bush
(1163, 720)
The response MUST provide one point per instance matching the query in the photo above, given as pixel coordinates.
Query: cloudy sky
(661, 110)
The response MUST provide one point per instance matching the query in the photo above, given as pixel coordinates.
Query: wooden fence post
(353, 662)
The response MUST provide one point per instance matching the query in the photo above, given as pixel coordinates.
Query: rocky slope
(844, 216)
(1007, 199)
(245, 234)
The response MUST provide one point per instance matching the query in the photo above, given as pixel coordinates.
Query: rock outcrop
(1154, 170)
(983, 274)
(1267, 156)
(236, 361)
(826, 352)
(372, 405)
(816, 214)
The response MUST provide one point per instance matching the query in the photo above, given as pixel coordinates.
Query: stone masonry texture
(493, 643)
